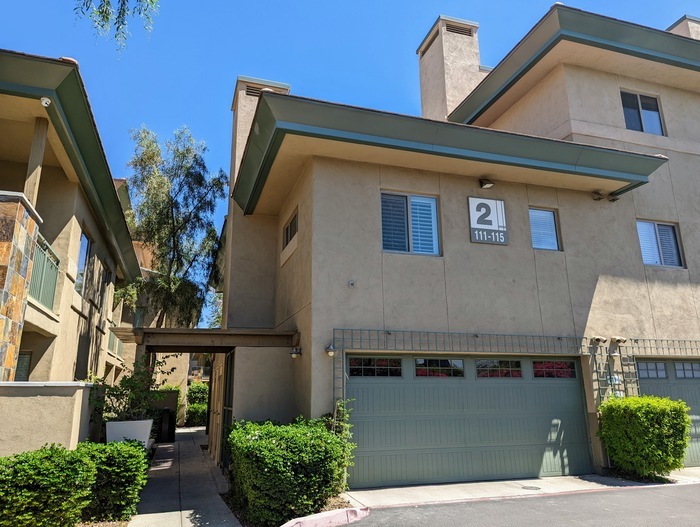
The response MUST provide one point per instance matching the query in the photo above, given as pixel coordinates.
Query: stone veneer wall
(18, 232)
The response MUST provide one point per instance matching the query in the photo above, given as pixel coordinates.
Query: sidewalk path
(183, 487)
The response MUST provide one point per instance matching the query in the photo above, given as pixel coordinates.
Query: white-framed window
(659, 244)
(442, 368)
(290, 229)
(651, 370)
(374, 366)
(687, 370)
(83, 263)
(543, 227)
(410, 224)
(642, 113)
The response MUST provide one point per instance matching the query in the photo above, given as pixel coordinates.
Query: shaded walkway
(183, 487)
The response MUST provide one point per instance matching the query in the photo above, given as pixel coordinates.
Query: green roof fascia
(278, 115)
(566, 23)
(70, 114)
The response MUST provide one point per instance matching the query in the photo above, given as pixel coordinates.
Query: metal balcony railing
(44, 278)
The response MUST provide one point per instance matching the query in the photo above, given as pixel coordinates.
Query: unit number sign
(487, 221)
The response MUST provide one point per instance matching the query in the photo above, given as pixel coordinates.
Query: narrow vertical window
(543, 227)
(290, 230)
(409, 224)
(83, 259)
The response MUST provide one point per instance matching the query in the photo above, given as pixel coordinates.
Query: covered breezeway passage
(240, 354)
(677, 379)
(434, 419)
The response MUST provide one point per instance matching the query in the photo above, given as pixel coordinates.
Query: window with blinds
(659, 244)
(409, 224)
(642, 113)
(543, 227)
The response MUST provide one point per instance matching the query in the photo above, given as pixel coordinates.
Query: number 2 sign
(487, 221)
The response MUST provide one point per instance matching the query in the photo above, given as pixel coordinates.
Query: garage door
(677, 380)
(432, 420)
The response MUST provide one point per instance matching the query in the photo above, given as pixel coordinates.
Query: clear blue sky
(355, 52)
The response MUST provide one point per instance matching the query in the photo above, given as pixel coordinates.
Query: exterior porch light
(330, 349)
(296, 351)
(486, 183)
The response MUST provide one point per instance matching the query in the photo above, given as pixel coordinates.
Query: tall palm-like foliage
(108, 15)
(173, 196)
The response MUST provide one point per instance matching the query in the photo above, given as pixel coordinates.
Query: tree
(174, 197)
(107, 15)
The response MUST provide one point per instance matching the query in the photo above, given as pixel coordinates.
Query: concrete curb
(330, 518)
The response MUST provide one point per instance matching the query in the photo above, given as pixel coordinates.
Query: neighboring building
(64, 243)
(476, 280)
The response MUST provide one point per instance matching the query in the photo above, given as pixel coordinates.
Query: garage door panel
(382, 468)
(504, 396)
(371, 434)
(443, 399)
(377, 399)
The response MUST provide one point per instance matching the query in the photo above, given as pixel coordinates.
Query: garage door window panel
(374, 367)
(491, 368)
(687, 370)
(651, 370)
(441, 368)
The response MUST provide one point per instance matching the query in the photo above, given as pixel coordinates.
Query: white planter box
(129, 430)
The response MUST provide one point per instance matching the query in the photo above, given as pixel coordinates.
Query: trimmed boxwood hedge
(198, 393)
(122, 470)
(196, 414)
(645, 436)
(48, 487)
(280, 472)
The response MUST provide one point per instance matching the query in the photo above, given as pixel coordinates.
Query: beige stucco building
(477, 280)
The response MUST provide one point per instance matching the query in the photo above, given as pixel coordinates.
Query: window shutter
(544, 230)
(670, 255)
(394, 223)
(424, 225)
(648, 243)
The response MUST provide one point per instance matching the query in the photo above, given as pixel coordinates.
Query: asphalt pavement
(650, 506)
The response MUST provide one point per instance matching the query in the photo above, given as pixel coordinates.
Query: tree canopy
(108, 15)
(173, 196)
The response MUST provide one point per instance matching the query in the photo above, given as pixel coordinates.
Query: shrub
(121, 474)
(196, 414)
(279, 472)
(645, 436)
(198, 393)
(48, 487)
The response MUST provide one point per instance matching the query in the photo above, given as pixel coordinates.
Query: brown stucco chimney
(686, 26)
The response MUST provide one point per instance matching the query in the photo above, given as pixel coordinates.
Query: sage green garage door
(433, 420)
(677, 380)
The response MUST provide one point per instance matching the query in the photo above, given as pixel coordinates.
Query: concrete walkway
(183, 487)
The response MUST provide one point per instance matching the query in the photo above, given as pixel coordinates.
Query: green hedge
(122, 470)
(196, 414)
(48, 487)
(198, 393)
(279, 472)
(645, 436)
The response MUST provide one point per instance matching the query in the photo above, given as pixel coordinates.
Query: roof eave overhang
(278, 116)
(564, 23)
(72, 118)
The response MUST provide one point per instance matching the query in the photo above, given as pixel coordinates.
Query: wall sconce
(485, 183)
(330, 349)
(618, 340)
(600, 340)
(296, 351)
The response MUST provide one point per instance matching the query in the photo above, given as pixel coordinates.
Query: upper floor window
(409, 224)
(659, 244)
(83, 259)
(543, 227)
(290, 230)
(642, 113)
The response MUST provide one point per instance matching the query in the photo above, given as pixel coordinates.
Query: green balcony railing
(44, 278)
(114, 345)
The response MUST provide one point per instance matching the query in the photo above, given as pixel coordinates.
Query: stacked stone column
(19, 227)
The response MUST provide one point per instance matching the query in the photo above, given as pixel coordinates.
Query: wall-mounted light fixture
(486, 183)
(597, 195)
(618, 340)
(330, 349)
(296, 351)
(600, 340)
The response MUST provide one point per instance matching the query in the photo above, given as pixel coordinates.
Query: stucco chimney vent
(461, 30)
(253, 91)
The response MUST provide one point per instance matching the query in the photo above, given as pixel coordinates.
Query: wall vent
(452, 28)
(253, 91)
(429, 42)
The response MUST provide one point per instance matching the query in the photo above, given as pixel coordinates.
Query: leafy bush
(198, 393)
(645, 436)
(121, 474)
(173, 388)
(196, 414)
(48, 487)
(279, 472)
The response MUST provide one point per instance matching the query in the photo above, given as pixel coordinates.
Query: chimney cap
(435, 27)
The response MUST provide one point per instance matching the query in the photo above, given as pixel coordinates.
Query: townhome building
(64, 244)
(476, 280)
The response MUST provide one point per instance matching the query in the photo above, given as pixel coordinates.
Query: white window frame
(641, 115)
(676, 232)
(436, 217)
(557, 233)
